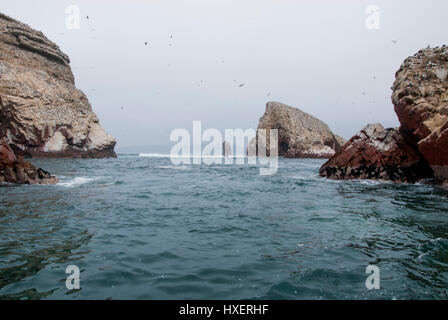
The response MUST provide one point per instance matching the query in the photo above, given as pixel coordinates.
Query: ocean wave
(154, 155)
(165, 155)
(174, 167)
(75, 182)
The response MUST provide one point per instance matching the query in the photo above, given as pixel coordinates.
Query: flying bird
(241, 85)
(87, 17)
(394, 41)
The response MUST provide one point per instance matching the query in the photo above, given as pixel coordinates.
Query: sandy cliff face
(42, 113)
(300, 135)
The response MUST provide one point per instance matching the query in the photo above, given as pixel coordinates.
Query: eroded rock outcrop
(420, 97)
(300, 135)
(14, 169)
(377, 153)
(419, 148)
(41, 111)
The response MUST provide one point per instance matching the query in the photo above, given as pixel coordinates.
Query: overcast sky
(318, 56)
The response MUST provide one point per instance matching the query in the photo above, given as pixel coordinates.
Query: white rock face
(42, 113)
(56, 143)
(383, 140)
(98, 137)
(441, 74)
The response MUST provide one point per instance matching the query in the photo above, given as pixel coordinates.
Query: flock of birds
(170, 44)
(201, 82)
(242, 84)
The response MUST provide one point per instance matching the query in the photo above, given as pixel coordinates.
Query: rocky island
(300, 135)
(418, 148)
(42, 113)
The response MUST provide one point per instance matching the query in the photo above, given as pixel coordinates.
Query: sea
(141, 227)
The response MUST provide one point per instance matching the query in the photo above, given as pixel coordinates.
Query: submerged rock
(14, 169)
(300, 135)
(42, 113)
(377, 153)
(420, 97)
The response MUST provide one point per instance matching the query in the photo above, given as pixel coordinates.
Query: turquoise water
(142, 228)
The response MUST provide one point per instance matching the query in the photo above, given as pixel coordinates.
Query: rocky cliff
(300, 135)
(42, 113)
(14, 169)
(419, 148)
(420, 97)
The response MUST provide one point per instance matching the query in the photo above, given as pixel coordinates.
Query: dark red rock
(7, 156)
(435, 150)
(377, 153)
(15, 169)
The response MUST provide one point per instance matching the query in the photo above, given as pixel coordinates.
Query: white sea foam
(174, 167)
(75, 182)
(154, 155)
(164, 155)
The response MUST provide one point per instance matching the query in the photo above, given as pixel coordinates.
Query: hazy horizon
(316, 56)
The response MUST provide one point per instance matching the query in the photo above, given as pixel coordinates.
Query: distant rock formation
(377, 153)
(41, 111)
(420, 97)
(300, 135)
(226, 149)
(14, 169)
(251, 150)
(419, 148)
